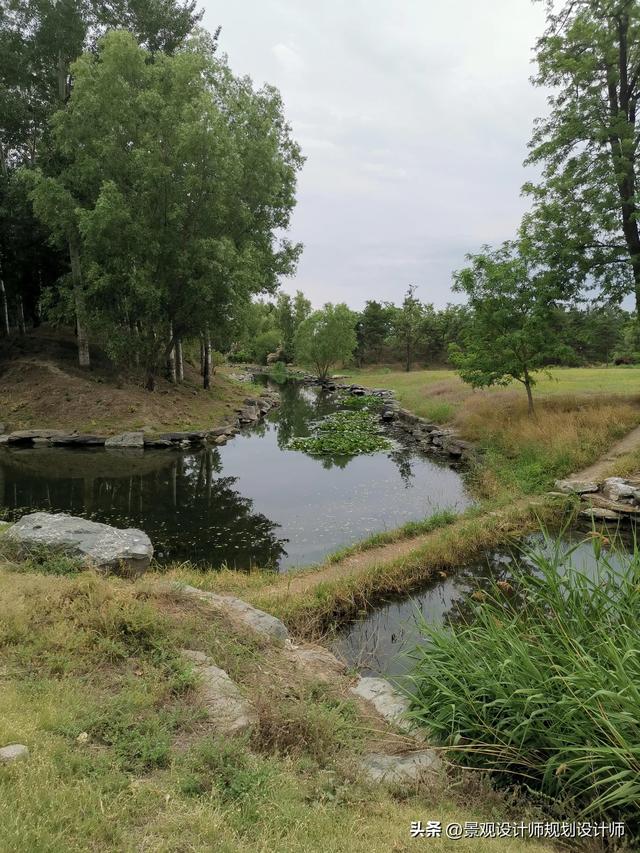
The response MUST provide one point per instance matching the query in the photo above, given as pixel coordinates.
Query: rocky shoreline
(427, 436)
(614, 499)
(253, 409)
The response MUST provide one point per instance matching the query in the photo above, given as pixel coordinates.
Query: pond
(380, 643)
(250, 502)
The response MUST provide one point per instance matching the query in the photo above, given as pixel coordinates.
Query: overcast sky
(414, 116)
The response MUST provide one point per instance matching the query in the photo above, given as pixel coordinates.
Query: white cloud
(414, 117)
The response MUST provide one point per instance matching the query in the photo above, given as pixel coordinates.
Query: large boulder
(108, 549)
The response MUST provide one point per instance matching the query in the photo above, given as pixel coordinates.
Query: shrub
(542, 684)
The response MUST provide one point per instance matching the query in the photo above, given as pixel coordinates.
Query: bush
(542, 685)
(263, 344)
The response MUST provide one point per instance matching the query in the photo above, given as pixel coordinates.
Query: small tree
(408, 326)
(325, 338)
(511, 332)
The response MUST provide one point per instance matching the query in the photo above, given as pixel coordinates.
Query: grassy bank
(41, 386)
(541, 684)
(122, 757)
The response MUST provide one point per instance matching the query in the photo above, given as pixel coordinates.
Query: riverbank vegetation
(541, 683)
(122, 758)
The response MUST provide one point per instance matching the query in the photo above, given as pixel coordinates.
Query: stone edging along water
(253, 410)
(430, 437)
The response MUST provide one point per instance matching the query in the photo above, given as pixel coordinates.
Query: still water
(250, 502)
(380, 644)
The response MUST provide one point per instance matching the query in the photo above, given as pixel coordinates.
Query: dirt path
(599, 470)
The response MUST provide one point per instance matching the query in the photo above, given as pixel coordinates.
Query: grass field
(439, 394)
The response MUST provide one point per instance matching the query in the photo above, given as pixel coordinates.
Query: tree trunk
(5, 307)
(527, 385)
(78, 298)
(206, 381)
(171, 359)
(21, 325)
(179, 360)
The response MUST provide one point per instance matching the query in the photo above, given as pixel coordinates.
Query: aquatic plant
(542, 684)
(365, 401)
(343, 433)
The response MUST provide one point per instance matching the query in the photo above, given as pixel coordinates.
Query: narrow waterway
(251, 502)
(381, 643)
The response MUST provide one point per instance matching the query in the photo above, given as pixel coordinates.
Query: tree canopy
(326, 337)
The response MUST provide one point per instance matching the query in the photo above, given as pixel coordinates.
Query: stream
(251, 502)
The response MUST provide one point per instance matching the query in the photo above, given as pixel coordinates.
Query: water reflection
(250, 502)
(381, 642)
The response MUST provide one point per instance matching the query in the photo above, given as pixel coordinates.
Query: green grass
(122, 759)
(440, 394)
(541, 685)
(406, 531)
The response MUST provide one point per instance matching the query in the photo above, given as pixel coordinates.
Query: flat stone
(80, 439)
(108, 549)
(396, 769)
(226, 707)
(220, 440)
(600, 514)
(126, 439)
(576, 487)
(249, 414)
(615, 506)
(388, 702)
(257, 620)
(26, 436)
(193, 437)
(13, 752)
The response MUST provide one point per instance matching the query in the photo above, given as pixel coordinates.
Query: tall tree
(584, 222)
(408, 326)
(511, 331)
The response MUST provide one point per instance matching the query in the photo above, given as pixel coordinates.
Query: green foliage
(584, 223)
(343, 434)
(325, 338)
(541, 685)
(263, 344)
(511, 334)
(366, 401)
(407, 324)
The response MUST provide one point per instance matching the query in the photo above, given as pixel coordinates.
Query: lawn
(438, 394)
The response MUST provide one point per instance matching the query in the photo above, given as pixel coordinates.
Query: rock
(615, 506)
(108, 549)
(220, 440)
(396, 769)
(217, 431)
(81, 439)
(4, 439)
(615, 489)
(226, 707)
(576, 487)
(387, 415)
(248, 415)
(26, 436)
(315, 660)
(13, 752)
(388, 702)
(126, 439)
(182, 438)
(599, 514)
(257, 620)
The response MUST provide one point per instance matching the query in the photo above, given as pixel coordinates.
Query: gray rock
(396, 769)
(81, 439)
(227, 708)
(576, 487)
(315, 660)
(108, 549)
(4, 439)
(13, 752)
(26, 436)
(248, 415)
(220, 440)
(257, 620)
(615, 488)
(126, 439)
(388, 702)
(599, 514)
